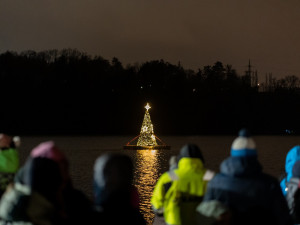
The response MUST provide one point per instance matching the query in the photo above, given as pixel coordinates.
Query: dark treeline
(69, 92)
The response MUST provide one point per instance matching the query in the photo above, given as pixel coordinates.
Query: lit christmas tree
(147, 137)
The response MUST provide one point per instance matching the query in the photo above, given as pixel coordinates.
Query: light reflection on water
(146, 174)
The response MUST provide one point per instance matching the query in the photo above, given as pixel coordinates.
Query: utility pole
(248, 74)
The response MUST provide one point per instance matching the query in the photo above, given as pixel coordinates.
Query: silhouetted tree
(67, 90)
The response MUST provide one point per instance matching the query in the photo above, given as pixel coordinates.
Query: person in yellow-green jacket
(178, 192)
(9, 160)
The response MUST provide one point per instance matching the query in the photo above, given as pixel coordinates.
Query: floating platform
(152, 147)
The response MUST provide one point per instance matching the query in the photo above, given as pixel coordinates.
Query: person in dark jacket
(114, 195)
(43, 192)
(36, 197)
(252, 196)
(77, 207)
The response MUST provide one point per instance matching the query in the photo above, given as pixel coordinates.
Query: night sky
(194, 32)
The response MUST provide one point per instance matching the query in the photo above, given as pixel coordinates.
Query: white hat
(243, 145)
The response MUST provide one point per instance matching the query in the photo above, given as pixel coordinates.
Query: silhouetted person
(37, 199)
(76, 205)
(43, 193)
(252, 196)
(115, 196)
(178, 192)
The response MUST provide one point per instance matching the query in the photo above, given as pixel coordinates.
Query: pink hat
(48, 150)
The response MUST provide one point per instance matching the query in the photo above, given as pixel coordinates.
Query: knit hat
(243, 145)
(48, 150)
(296, 169)
(191, 151)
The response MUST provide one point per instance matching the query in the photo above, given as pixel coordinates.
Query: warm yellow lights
(147, 137)
(146, 140)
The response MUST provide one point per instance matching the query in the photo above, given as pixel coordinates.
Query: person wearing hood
(77, 207)
(252, 196)
(292, 156)
(115, 197)
(35, 197)
(45, 179)
(9, 160)
(178, 192)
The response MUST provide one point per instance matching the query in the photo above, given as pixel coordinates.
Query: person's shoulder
(167, 176)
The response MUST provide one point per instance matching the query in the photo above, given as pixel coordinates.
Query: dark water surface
(82, 152)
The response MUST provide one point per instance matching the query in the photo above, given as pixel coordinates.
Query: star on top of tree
(147, 106)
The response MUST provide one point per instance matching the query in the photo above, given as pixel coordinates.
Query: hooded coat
(115, 197)
(292, 156)
(35, 198)
(76, 206)
(253, 196)
(46, 176)
(9, 165)
(9, 161)
(178, 193)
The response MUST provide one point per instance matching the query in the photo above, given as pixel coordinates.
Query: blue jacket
(253, 196)
(292, 156)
